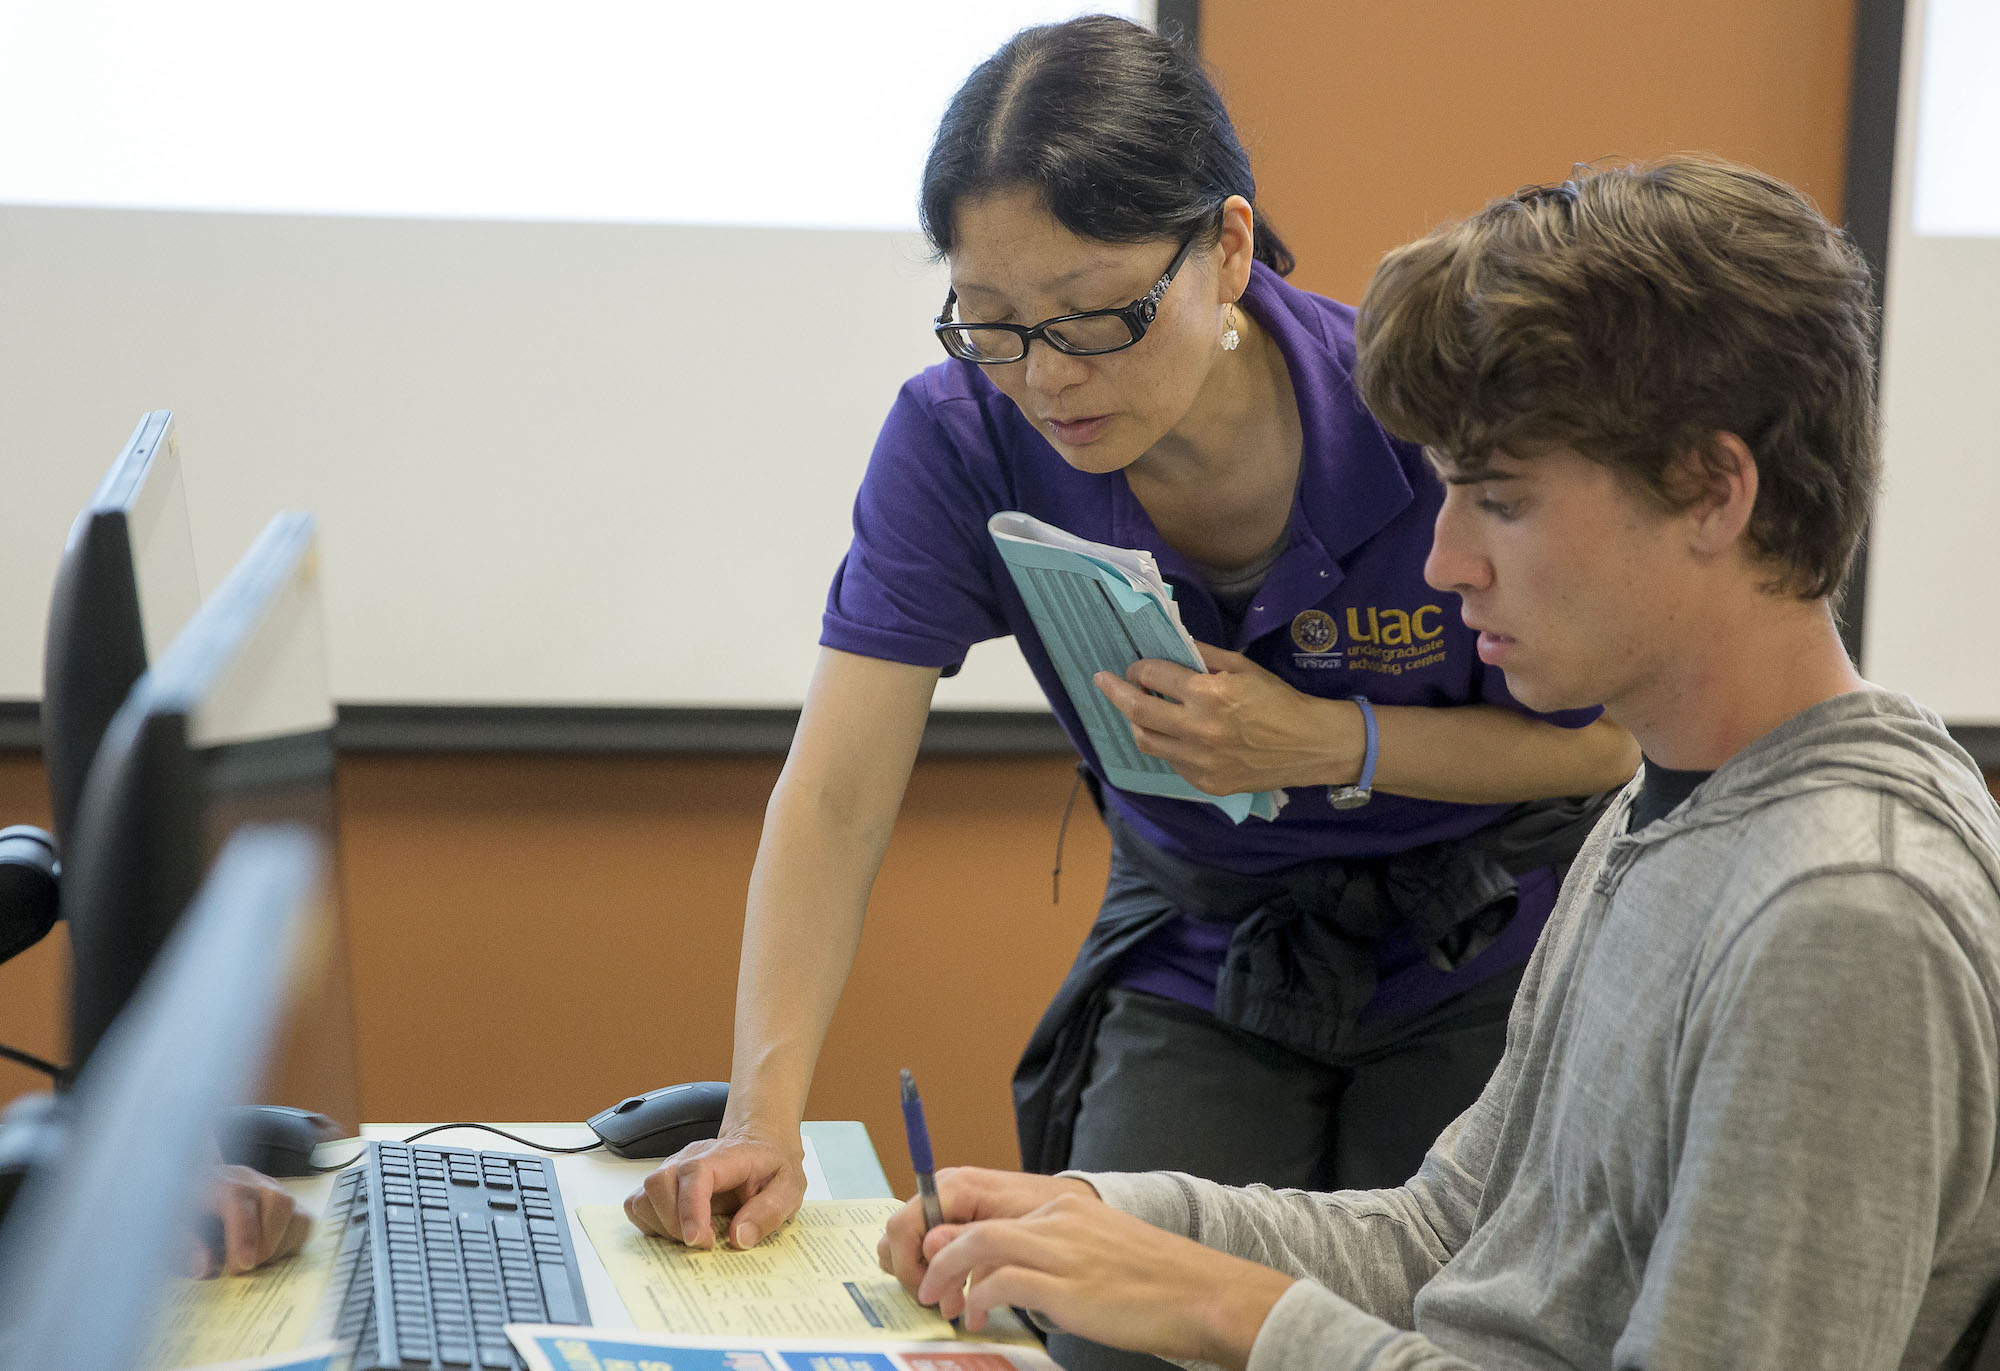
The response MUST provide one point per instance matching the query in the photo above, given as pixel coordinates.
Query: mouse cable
(481, 1127)
(29, 1059)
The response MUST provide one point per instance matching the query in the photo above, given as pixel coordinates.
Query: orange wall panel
(1370, 122)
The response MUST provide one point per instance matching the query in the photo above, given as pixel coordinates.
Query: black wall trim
(582, 729)
(20, 727)
(1873, 97)
(590, 729)
(1982, 741)
(519, 728)
(1179, 19)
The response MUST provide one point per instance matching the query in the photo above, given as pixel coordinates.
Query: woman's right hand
(745, 1178)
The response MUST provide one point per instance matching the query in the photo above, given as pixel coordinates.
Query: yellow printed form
(815, 1277)
(232, 1318)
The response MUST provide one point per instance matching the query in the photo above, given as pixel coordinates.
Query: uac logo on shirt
(1387, 642)
(1393, 627)
(1390, 642)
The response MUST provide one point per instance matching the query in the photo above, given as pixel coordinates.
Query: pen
(920, 1152)
(919, 1138)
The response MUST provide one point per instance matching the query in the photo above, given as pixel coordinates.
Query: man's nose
(1455, 563)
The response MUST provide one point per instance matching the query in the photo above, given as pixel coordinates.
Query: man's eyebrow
(1453, 474)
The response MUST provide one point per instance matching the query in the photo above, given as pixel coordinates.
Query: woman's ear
(1238, 248)
(1725, 478)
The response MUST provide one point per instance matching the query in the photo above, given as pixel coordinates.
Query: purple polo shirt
(1344, 611)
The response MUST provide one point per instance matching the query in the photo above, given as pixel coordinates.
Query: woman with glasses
(1305, 1001)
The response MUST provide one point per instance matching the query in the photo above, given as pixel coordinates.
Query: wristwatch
(1356, 795)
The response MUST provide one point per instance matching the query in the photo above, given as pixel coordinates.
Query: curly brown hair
(1633, 313)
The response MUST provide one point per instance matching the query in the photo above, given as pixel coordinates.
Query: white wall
(1932, 577)
(501, 292)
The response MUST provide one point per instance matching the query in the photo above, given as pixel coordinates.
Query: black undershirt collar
(1661, 788)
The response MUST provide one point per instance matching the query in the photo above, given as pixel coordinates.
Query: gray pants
(1173, 1089)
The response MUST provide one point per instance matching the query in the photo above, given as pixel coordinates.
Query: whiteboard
(543, 383)
(543, 474)
(1930, 568)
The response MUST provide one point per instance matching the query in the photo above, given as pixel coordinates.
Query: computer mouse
(661, 1122)
(275, 1138)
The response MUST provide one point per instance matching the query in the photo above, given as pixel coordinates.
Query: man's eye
(1499, 509)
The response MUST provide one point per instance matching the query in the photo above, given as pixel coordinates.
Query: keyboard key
(556, 1294)
(455, 1353)
(497, 1202)
(541, 1225)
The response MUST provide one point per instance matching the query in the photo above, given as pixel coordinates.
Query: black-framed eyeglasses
(1089, 334)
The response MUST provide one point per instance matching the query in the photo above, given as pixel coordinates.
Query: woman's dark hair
(1119, 129)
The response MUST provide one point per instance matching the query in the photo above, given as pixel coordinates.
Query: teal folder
(1101, 608)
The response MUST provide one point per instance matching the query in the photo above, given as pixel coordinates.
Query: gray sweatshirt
(1747, 1112)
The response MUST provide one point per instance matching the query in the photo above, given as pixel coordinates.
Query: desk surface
(845, 1156)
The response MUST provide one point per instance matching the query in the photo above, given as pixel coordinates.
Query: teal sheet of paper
(1092, 620)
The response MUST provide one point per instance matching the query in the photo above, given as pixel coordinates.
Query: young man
(1747, 1112)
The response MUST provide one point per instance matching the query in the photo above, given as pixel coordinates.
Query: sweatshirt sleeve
(1833, 1098)
(1361, 1255)
(1369, 1250)
(1376, 1248)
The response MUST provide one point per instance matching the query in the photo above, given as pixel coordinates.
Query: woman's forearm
(807, 903)
(1484, 754)
(825, 832)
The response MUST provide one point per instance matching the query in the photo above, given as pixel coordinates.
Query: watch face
(1347, 797)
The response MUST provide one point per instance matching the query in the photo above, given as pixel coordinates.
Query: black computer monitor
(231, 725)
(124, 587)
(90, 1243)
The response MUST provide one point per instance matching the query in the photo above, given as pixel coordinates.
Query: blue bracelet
(1358, 794)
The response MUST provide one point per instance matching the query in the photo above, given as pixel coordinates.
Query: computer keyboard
(473, 1240)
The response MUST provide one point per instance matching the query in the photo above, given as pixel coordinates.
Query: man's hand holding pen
(966, 1195)
(1049, 1244)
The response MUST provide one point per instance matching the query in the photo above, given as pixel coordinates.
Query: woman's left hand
(1100, 1273)
(1238, 727)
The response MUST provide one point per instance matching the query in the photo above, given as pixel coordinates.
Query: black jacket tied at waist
(1301, 960)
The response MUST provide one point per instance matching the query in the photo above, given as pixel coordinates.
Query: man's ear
(1726, 479)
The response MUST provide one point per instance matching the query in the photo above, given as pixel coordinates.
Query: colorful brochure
(548, 1347)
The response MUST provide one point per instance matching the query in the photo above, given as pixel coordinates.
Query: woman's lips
(1076, 432)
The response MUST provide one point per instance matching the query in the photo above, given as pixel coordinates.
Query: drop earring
(1230, 338)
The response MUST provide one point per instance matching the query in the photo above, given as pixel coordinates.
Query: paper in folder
(1102, 608)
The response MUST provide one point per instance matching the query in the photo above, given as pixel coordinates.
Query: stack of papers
(1101, 608)
(815, 1277)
